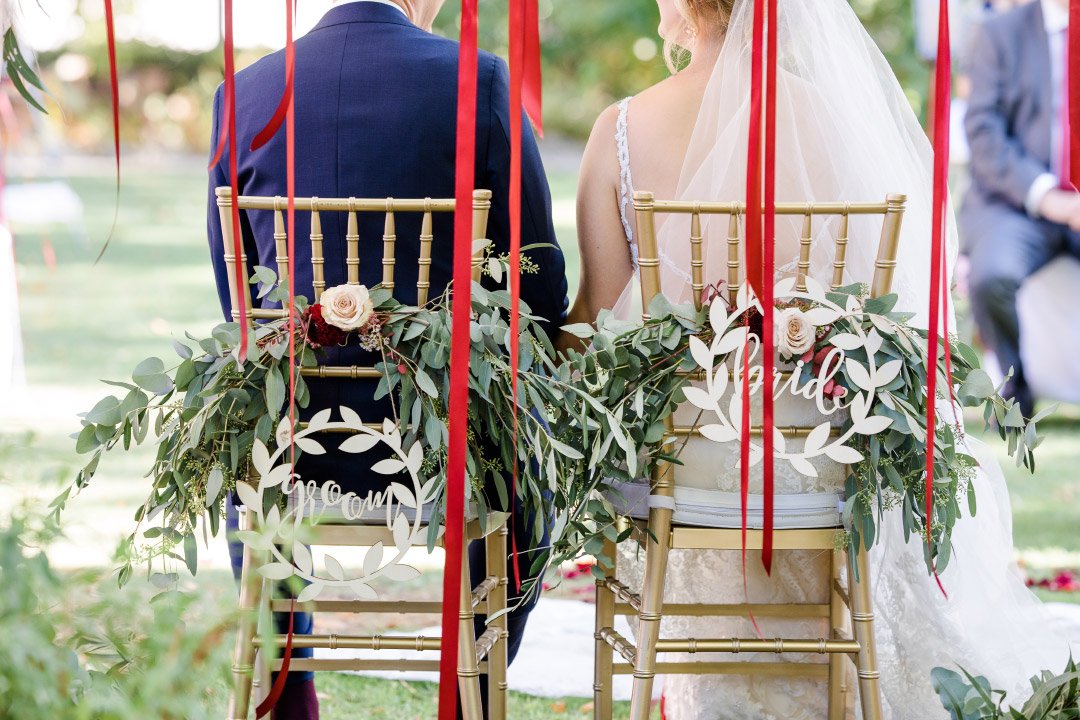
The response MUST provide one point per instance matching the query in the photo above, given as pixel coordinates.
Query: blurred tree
(595, 52)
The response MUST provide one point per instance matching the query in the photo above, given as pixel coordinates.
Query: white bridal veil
(846, 132)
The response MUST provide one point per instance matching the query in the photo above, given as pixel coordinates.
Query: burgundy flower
(319, 332)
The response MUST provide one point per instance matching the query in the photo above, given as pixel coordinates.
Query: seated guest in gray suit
(1020, 212)
(376, 101)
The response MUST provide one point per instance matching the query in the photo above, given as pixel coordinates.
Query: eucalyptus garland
(630, 366)
(208, 410)
(584, 421)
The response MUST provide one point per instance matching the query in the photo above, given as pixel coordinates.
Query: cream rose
(348, 307)
(795, 334)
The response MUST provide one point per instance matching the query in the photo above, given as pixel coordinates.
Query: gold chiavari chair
(850, 604)
(486, 654)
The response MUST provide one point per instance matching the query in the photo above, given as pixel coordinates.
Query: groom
(375, 107)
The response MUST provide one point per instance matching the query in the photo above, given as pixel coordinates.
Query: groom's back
(375, 106)
(375, 116)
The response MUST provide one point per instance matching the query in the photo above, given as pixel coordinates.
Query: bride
(845, 132)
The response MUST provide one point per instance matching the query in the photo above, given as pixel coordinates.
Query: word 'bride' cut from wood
(815, 366)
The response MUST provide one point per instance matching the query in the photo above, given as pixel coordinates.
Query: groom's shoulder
(420, 54)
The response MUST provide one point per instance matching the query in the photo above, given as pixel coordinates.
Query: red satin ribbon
(760, 257)
(1072, 59)
(938, 272)
(752, 252)
(224, 135)
(279, 682)
(110, 41)
(517, 31)
(532, 88)
(525, 88)
(287, 105)
(465, 172)
(768, 272)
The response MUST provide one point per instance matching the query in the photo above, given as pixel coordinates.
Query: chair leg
(652, 594)
(862, 617)
(496, 603)
(603, 653)
(468, 675)
(837, 664)
(243, 666)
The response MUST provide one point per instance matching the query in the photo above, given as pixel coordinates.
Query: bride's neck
(703, 57)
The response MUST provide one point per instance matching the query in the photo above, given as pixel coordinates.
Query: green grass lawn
(84, 322)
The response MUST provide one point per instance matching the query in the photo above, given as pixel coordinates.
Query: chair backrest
(646, 208)
(683, 424)
(388, 207)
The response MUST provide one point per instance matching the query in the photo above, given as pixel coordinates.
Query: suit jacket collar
(363, 12)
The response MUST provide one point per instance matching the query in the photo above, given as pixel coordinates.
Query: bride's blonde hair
(700, 17)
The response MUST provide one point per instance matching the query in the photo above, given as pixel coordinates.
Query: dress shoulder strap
(626, 180)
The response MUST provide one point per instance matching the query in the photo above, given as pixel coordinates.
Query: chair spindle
(648, 260)
(733, 254)
(281, 240)
(317, 261)
(697, 263)
(224, 203)
(352, 245)
(481, 208)
(841, 251)
(885, 264)
(423, 281)
(389, 238)
(804, 248)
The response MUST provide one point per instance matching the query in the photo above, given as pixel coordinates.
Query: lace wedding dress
(845, 132)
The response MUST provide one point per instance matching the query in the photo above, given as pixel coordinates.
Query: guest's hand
(1061, 206)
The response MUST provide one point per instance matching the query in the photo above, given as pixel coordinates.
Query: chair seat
(713, 508)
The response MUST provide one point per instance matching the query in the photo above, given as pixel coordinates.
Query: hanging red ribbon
(752, 252)
(768, 271)
(1072, 59)
(517, 32)
(286, 107)
(760, 258)
(532, 87)
(225, 134)
(110, 39)
(110, 42)
(453, 540)
(279, 683)
(938, 272)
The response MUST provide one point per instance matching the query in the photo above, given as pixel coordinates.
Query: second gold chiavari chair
(486, 654)
(849, 604)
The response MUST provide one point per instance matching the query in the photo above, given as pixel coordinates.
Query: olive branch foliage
(584, 420)
(206, 411)
(631, 368)
(969, 697)
(20, 72)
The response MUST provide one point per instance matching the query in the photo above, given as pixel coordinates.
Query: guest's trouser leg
(1007, 246)
(302, 622)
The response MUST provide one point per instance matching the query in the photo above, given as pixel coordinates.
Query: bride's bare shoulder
(600, 158)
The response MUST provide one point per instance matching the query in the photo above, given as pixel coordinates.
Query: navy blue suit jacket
(375, 108)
